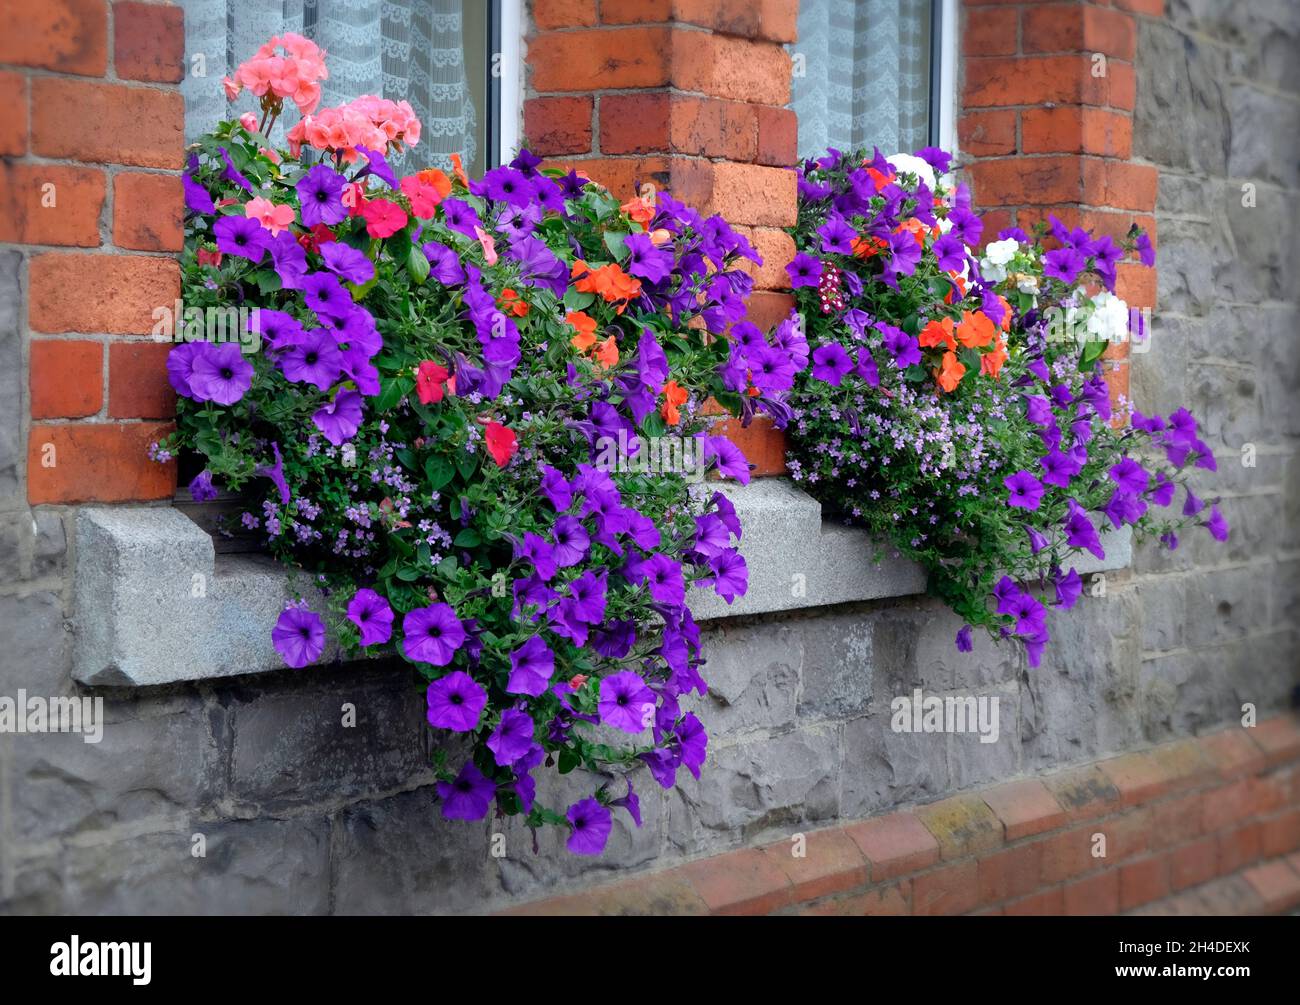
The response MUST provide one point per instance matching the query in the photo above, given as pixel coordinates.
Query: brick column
(92, 143)
(1046, 125)
(688, 95)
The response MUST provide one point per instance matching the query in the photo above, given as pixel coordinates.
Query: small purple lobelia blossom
(512, 738)
(591, 824)
(241, 236)
(531, 667)
(299, 636)
(455, 702)
(372, 615)
(220, 373)
(804, 270)
(347, 262)
(313, 359)
(468, 797)
(201, 487)
(626, 703)
(320, 194)
(1026, 490)
(432, 634)
(831, 363)
(340, 418)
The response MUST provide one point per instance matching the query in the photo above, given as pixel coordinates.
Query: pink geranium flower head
(274, 218)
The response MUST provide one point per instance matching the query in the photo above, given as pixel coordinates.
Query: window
(871, 73)
(436, 54)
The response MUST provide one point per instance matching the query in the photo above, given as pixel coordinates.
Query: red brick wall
(687, 95)
(1202, 826)
(90, 107)
(1046, 125)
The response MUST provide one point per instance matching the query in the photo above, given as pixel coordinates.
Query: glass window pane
(865, 77)
(432, 53)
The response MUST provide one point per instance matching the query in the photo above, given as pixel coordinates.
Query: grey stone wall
(295, 812)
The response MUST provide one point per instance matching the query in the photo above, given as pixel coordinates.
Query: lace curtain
(866, 75)
(409, 50)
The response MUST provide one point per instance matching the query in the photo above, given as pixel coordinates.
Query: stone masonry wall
(296, 812)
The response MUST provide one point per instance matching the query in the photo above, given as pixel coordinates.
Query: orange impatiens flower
(866, 247)
(1006, 314)
(607, 353)
(878, 179)
(915, 227)
(952, 372)
(459, 170)
(991, 362)
(938, 333)
(585, 327)
(674, 395)
(610, 281)
(436, 180)
(639, 209)
(511, 303)
(961, 288)
(975, 329)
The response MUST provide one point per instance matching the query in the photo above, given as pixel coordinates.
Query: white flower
(907, 164)
(1109, 320)
(1027, 283)
(1001, 252)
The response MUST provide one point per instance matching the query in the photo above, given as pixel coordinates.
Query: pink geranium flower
(274, 218)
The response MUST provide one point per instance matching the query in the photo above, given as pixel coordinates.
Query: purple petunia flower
(275, 472)
(730, 575)
(469, 797)
(531, 667)
(805, 270)
(591, 824)
(460, 216)
(626, 702)
(1079, 531)
(1217, 525)
(1130, 476)
(645, 260)
(831, 363)
(950, 252)
(241, 236)
(340, 418)
(1069, 587)
(326, 296)
(513, 737)
(1064, 264)
(197, 198)
(299, 636)
(288, 259)
(664, 579)
(320, 194)
(201, 487)
(372, 615)
(433, 634)
(455, 701)
(180, 367)
(732, 462)
(1026, 490)
(220, 373)
(347, 262)
(314, 359)
(837, 236)
(964, 644)
(902, 346)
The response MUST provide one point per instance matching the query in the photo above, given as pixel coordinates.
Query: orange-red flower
(610, 281)
(961, 288)
(952, 372)
(585, 327)
(639, 210)
(458, 169)
(429, 379)
(502, 443)
(975, 329)
(938, 332)
(435, 178)
(991, 362)
(867, 247)
(674, 395)
(607, 353)
(512, 304)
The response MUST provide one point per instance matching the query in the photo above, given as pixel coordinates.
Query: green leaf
(266, 280)
(576, 301)
(617, 245)
(439, 471)
(466, 465)
(568, 760)
(393, 390)
(467, 538)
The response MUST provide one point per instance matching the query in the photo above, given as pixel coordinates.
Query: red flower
(383, 218)
(428, 382)
(502, 443)
(314, 238)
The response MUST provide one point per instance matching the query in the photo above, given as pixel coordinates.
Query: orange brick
(895, 844)
(636, 11)
(987, 134)
(768, 308)
(774, 20)
(558, 125)
(1137, 285)
(1227, 806)
(1049, 903)
(1025, 808)
(148, 212)
(706, 127)
(1194, 863)
(725, 67)
(1095, 895)
(1014, 181)
(1176, 820)
(50, 204)
(601, 60)
(67, 36)
(1128, 834)
(107, 123)
(1076, 129)
(99, 293)
(1011, 873)
(619, 174)
(831, 863)
(137, 381)
(778, 136)
(1154, 8)
(97, 462)
(1279, 738)
(1138, 778)
(740, 882)
(1280, 834)
(989, 32)
(148, 41)
(1233, 752)
(999, 82)
(740, 193)
(884, 901)
(564, 13)
(66, 378)
(13, 114)
(1276, 884)
(635, 123)
(1068, 854)
(953, 889)
(776, 249)
(963, 825)
(1076, 28)
(1143, 881)
(1131, 186)
(1238, 848)
(1083, 793)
